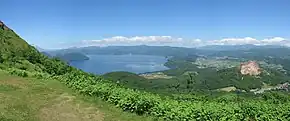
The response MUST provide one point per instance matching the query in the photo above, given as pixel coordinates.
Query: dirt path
(64, 108)
(30, 100)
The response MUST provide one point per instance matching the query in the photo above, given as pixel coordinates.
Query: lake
(101, 64)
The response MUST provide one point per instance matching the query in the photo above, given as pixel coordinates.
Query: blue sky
(59, 23)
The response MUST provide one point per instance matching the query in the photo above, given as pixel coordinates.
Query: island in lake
(73, 56)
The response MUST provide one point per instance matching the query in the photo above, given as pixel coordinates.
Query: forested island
(73, 56)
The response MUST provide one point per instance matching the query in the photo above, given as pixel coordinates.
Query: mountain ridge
(154, 50)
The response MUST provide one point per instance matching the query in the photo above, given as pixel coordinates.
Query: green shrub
(223, 108)
(17, 72)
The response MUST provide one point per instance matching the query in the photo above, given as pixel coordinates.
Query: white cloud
(137, 40)
(235, 41)
(274, 40)
(249, 40)
(173, 41)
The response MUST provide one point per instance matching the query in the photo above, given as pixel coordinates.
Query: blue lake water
(101, 64)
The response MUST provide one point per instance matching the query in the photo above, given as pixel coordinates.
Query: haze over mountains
(175, 41)
(169, 41)
(162, 50)
(179, 42)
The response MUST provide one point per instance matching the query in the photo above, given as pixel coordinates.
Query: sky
(68, 23)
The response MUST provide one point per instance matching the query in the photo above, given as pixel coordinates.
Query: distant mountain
(255, 53)
(163, 50)
(140, 50)
(237, 47)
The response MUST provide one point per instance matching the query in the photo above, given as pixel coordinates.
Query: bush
(224, 108)
(40, 75)
(17, 72)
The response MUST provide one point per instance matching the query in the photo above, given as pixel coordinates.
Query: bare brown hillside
(250, 68)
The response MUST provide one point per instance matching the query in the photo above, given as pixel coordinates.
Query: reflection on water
(101, 64)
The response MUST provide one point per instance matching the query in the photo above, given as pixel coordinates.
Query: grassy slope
(29, 99)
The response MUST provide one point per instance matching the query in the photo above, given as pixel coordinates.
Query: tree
(1, 58)
(190, 82)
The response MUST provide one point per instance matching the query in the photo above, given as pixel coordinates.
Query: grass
(29, 99)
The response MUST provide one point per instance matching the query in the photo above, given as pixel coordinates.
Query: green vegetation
(126, 78)
(31, 99)
(227, 107)
(134, 81)
(184, 105)
(216, 63)
(225, 73)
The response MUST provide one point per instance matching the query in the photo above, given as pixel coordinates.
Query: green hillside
(125, 78)
(134, 81)
(43, 83)
(29, 92)
(32, 99)
(12, 45)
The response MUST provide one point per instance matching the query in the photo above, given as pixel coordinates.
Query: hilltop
(11, 43)
(17, 53)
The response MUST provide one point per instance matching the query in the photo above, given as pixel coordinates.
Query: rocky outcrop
(3, 26)
(1, 23)
(250, 68)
